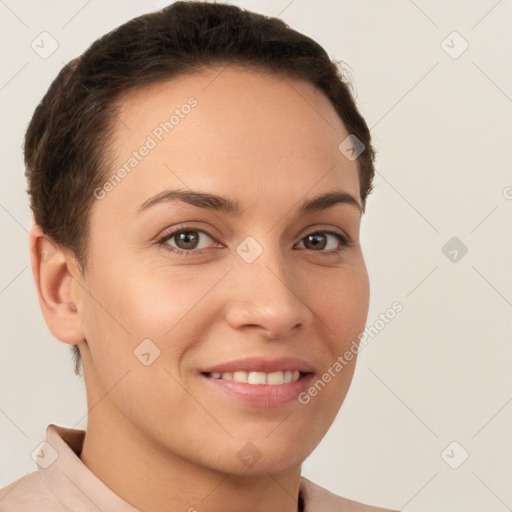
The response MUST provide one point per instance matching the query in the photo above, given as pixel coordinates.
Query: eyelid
(186, 226)
(325, 229)
(306, 231)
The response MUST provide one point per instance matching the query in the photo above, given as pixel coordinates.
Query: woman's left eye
(188, 242)
(320, 239)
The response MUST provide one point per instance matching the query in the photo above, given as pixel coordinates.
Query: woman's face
(249, 291)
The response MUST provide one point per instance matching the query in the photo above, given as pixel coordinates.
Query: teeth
(240, 376)
(273, 378)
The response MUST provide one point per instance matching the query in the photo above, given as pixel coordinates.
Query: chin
(269, 464)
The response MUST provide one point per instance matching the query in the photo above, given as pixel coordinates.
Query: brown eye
(320, 241)
(186, 241)
(315, 241)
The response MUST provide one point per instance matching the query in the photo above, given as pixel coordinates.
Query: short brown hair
(67, 141)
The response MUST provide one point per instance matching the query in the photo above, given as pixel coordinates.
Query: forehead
(253, 131)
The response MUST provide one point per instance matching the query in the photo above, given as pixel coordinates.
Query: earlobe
(54, 271)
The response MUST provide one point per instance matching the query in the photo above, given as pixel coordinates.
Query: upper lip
(261, 364)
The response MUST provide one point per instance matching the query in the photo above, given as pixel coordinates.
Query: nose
(267, 297)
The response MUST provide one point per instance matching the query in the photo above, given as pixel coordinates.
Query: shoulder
(28, 493)
(319, 499)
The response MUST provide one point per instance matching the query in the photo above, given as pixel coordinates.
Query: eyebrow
(224, 204)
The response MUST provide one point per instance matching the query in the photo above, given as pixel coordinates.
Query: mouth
(259, 382)
(258, 378)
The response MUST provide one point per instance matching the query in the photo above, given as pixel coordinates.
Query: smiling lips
(260, 381)
(259, 370)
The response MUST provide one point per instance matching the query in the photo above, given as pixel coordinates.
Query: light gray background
(442, 126)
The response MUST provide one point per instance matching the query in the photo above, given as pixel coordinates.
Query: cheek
(341, 298)
(137, 330)
(143, 314)
(355, 299)
(143, 302)
(343, 308)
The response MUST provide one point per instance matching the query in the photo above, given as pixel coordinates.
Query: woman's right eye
(187, 241)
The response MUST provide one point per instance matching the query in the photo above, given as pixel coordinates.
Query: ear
(55, 273)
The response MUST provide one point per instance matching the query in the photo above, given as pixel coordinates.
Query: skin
(271, 148)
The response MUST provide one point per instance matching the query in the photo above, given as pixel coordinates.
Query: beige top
(64, 483)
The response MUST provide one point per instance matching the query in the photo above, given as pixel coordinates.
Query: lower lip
(262, 395)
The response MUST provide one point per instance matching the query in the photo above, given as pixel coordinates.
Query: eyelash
(345, 242)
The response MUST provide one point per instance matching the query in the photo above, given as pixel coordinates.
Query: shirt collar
(69, 479)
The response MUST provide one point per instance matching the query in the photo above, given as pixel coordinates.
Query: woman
(197, 179)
